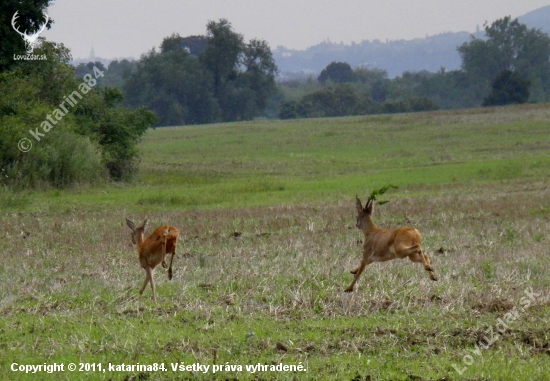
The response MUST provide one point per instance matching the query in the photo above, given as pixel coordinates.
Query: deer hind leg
(354, 271)
(170, 266)
(357, 273)
(163, 241)
(420, 257)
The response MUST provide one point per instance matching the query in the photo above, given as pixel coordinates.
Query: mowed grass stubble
(266, 213)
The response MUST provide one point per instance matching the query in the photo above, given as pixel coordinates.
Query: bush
(410, 105)
(289, 110)
(508, 87)
(422, 104)
(90, 140)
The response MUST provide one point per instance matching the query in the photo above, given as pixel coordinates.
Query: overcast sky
(128, 28)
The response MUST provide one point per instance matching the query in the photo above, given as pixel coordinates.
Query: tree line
(510, 65)
(198, 79)
(218, 77)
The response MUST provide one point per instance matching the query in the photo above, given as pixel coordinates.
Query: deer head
(30, 39)
(363, 214)
(137, 233)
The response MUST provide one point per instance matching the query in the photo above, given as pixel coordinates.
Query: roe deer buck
(384, 245)
(153, 250)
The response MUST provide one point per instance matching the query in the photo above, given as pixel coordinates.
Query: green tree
(116, 129)
(339, 100)
(289, 110)
(509, 45)
(30, 18)
(175, 86)
(449, 89)
(88, 68)
(91, 138)
(375, 81)
(230, 80)
(257, 81)
(62, 156)
(337, 72)
(193, 44)
(118, 73)
(243, 74)
(223, 52)
(508, 87)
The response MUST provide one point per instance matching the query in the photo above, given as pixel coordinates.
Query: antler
(379, 192)
(15, 16)
(29, 38)
(43, 25)
(372, 197)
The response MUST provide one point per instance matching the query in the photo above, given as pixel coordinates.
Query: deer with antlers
(153, 250)
(30, 39)
(382, 245)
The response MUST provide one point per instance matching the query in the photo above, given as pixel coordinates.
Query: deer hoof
(170, 274)
(433, 277)
(164, 264)
(348, 290)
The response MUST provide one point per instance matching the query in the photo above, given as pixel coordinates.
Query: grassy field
(266, 212)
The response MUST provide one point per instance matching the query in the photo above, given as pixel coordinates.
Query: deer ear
(131, 225)
(358, 204)
(144, 225)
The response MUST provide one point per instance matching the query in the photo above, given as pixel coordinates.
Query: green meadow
(266, 213)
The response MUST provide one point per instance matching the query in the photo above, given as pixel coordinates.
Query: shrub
(508, 87)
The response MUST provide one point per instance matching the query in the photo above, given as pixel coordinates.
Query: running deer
(384, 245)
(153, 250)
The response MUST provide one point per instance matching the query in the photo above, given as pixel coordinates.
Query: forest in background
(57, 128)
(508, 64)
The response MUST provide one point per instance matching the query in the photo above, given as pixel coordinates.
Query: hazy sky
(128, 28)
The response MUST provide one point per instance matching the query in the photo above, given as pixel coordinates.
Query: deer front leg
(163, 242)
(357, 273)
(144, 282)
(170, 266)
(148, 279)
(152, 280)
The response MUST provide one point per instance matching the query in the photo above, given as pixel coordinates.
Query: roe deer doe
(384, 244)
(152, 250)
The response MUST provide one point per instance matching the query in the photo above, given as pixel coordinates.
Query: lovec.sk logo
(30, 39)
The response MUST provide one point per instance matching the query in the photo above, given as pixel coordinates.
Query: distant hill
(539, 18)
(430, 53)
